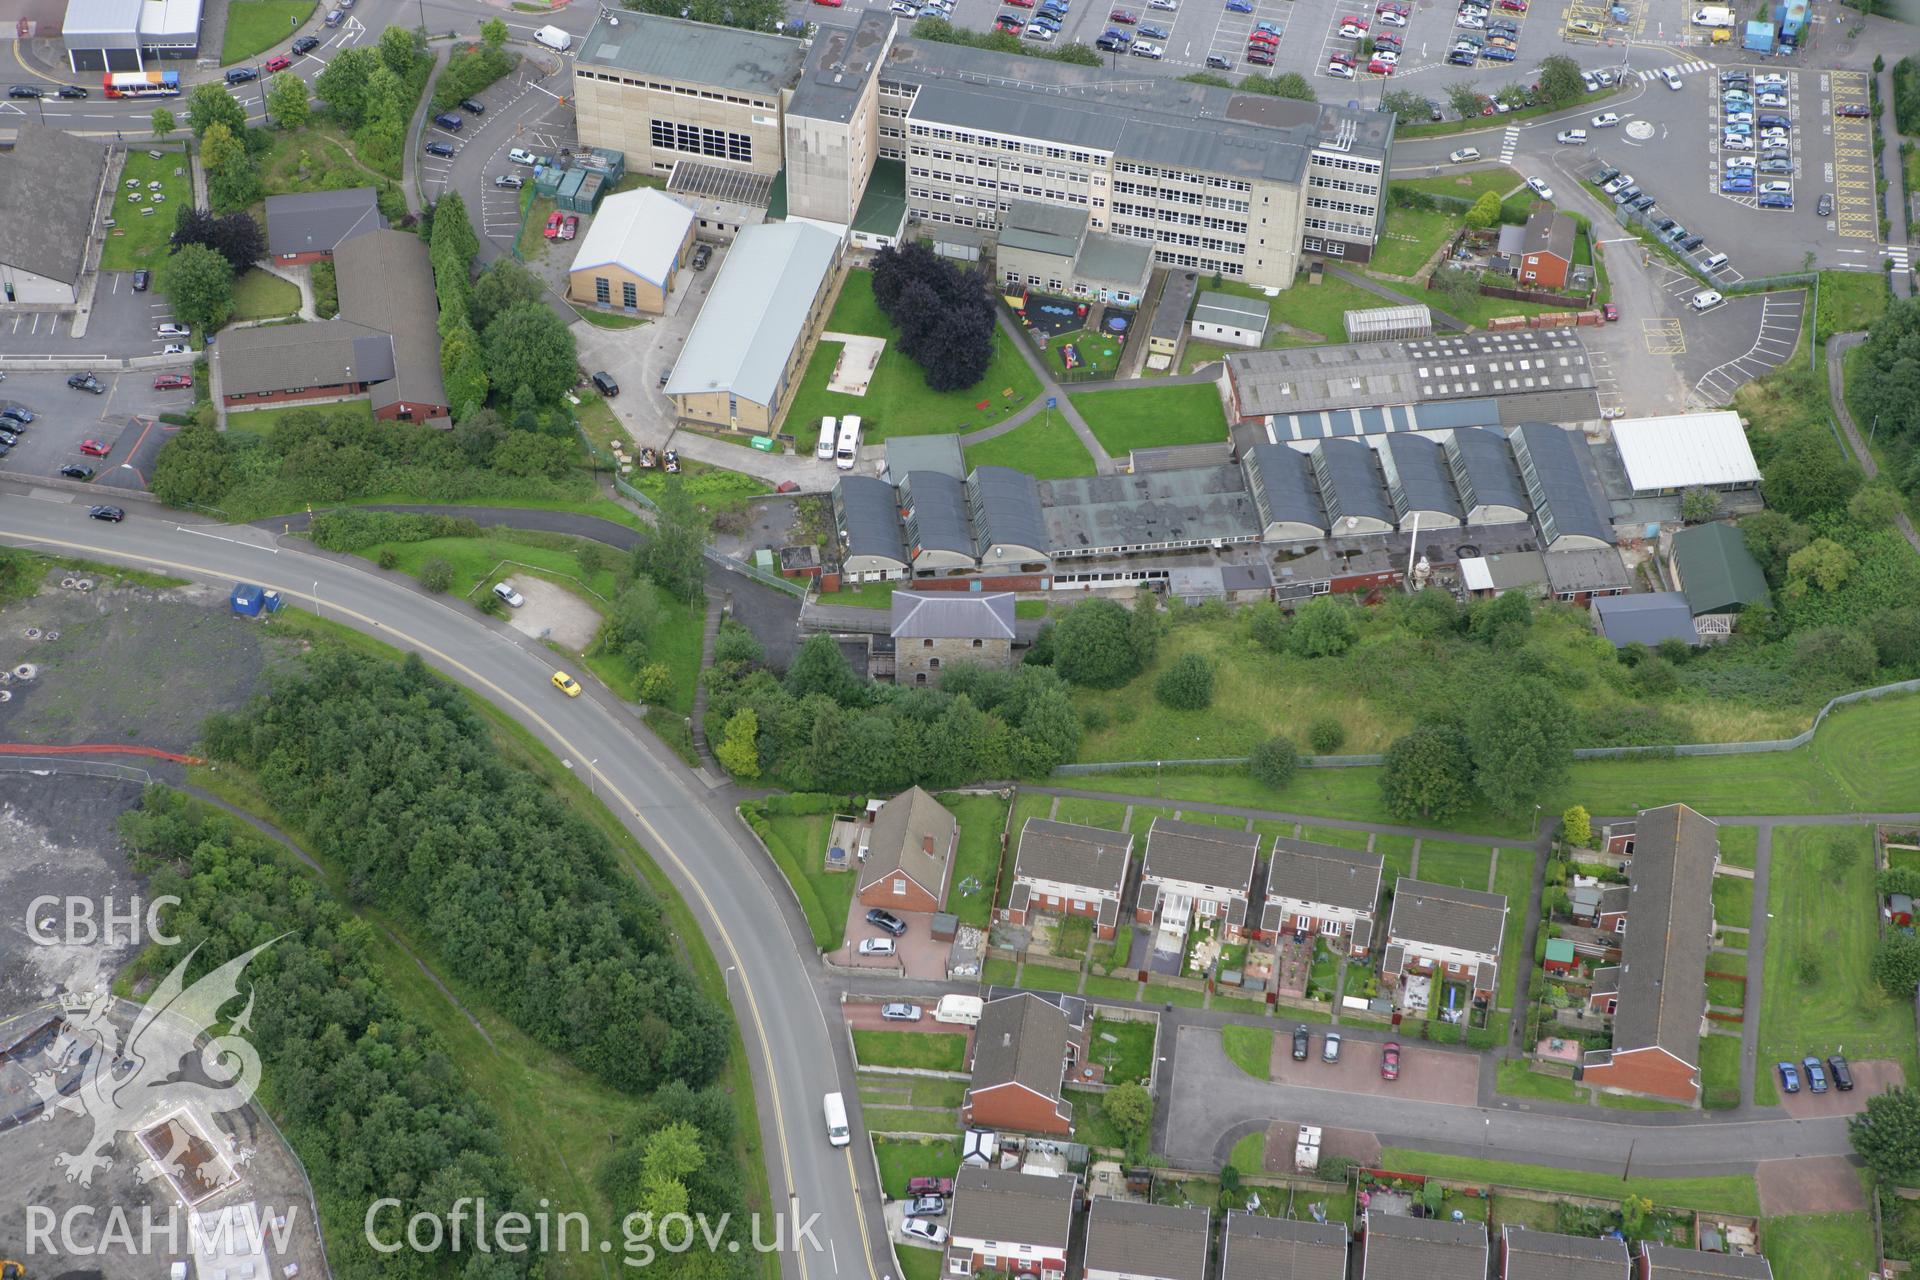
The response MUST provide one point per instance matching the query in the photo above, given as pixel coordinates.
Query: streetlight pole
(316, 598)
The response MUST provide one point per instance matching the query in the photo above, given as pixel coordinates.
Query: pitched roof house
(1131, 1241)
(1663, 1262)
(1256, 1247)
(1012, 1222)
(1322, 889)
(1440, 929)
(1422, 1249)
(307, 226)
(1548, 1255)
(908, 854)
(1022, 1051)
(1662, 982)
(1190, 869)
(1546, 248)
(1061, 866)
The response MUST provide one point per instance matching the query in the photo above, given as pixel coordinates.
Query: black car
(16, 413)
(1605, 176)
(1692, 242)
(510, 181)
(114, 514)
(85, 382)
(439, 148)
(71, 91)
(1219, 62)
(1644, 203)
(306, 43)
(702, 254)
(74, 471)
(24, 91)
(1665, 224)
(603, 383)
(1842, 1077)
(141, 279)
(8, 438)
(447, 120)
(474, 105)
(1302, 1040)
(241, 75)
(881, 918)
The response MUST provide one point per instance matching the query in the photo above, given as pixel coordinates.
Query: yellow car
(1582, 27)
(566, 684)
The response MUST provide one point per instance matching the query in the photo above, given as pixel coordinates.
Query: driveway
(638, 358)
(864, 1015)
(1874, 1075)
(1430, 1075)
(1828, 1184)
(918, 954)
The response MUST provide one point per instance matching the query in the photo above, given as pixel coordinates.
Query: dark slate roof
(49, 181)
(386, 283)
(1165, 1241)
(1310, 872)
(1417, 475)
(1484, 471)
(1257, 1247)
(1668, 1263)
(1717, 572)
(1013, 1207)
(869, 518)
(936, 507)
(1559, 473)
(1068, 853)
(1548, 231)
(1445, 915)
(282, 357)
(1350, 482)
(1201, 854)
(1021, 1039)
(952, 615)
(902, 833)
(1283, 487)
(1006, 509)
(1646, 617)
(1663, 958)
(319, 221)
(1548, 1255)
(1423, 1249)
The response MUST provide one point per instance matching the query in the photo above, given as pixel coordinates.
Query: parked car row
(1628, 195)
(1756, 163)
(1818, 1074)
(1486, 32)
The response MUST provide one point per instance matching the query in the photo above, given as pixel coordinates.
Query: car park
(447, 120)
(1008, 23)
(1470, 21)
(1497, 53)
(1583, 27)
(1382, 58)
(1789, 1075)
(1707, 300)
(473, 106)
(901, 1011)
(552, 231)
(85, 382)
(1626, 194)
(1776, 166)
(519, 156)
(16, 413)
(1852, 111)
(116, 515)
(921, 1229)
(509, 181)
(1460, 58)
(1389, 18)
(1146, 49)
(437, 148)
(1390, 1060)
(1775, 200)
(1262, 57)
(1239, 6)
(95, 449)
(1540, 188)
(1692, 242)
(1816, 1074)
(74, 471)
(1842, 1074)
(881, 918)
(1151, 31)
(172, 381)
(1219, 62)
(1339, 70)
(1352, 31)
(1302, 1041)
(1642, 204)
(1125, 17)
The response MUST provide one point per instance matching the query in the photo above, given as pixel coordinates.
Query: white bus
(847, 452)
(829, 437)
(837, 1132)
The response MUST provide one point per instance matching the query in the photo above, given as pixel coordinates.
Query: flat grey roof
(1088, 512)
(1176, 299)
(1114, 260)
(756, 311)
(837, 65)
(1232, 310)
(48, 183)
(1372, 374)
(101, 18)
(1043, 228)
(693, 52)
(907, 454)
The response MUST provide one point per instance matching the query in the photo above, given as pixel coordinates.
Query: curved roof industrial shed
(1486, 477)
(1284, 493)
(1419, 483)
(868, 521)
(1351, 486)
(1560, 478)
(936, 521)
(1009, 525)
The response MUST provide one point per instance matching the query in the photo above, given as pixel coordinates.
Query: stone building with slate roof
(907, 856)
(1191, 872)
(1548, 1255)
(1256, 1247)
(1127, 1240)
(932, 630)
(1444, 932)
(1067, 868)
(1324, 890)
(1010, 1222)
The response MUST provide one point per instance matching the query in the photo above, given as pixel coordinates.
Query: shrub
(1274, 762)
(1187, 684)
(388, 558)
(1326, 735)
(436, 575)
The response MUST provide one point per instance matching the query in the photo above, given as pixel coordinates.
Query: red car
(1021, 4)
(929, 1186)
(1610, 310)
(1379, 68)
(1125, 17)
(555, 221)
(279, 62)
(1390, 1060)
(1259, 57)
(569, 227)
(831, 4)
(1264, 38)
(94, 449)
(171, 381)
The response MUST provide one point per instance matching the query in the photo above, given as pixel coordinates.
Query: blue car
(1775, 200)
(1154, 33)
(1239, 6)
(1272, 27)
(1494, 53)
(1046, 22)
(1736, 186)
(1789, 1077)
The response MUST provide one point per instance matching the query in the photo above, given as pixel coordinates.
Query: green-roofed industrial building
(1716, 573)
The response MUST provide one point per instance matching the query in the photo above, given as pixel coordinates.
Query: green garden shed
(1715, 571)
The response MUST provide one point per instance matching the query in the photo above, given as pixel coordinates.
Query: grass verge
(1727, 1194)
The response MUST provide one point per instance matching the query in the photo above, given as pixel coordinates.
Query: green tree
(493, 33)
(1288, 84)
(1521, 736)
(530, 453)
(287, 100)
(195, 467)
(1274, 762)
(1428, 774)
(232, 181)
(630, 625)
(528, 346)
(1887, 1136)
(1896, 964)
(436, 575)
(1560, 81)
(1324, 628)
(1129, 1108)
(1092, 646)
(820, 667)
(1875, 505)
(401, 49)
(342, 85)
(1464, 97)
(1807, 473)
(1822, 563)
(163, 123)
(505, 284)
(675, 555)
(1698, 505)
(738, 751)
(1485, 211)
(1186, 684)
(453, 231)
(1326, 735)
(1576, 826)
(211, 104)
(1407, 107)
(198, 283)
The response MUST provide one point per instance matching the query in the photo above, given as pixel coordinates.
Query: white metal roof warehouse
(755, 313)
(1685, 451)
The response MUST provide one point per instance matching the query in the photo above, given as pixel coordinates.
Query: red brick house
(1195, 871)
(1616, 838)
(907, 855)
(307, 226)
(1324, 890)
(1604, 995)
(1547, 1255)
(1663, 1262)
(1069, 869)
(1443, 931)
(1023, 1050)
(1661, 999)
(1012, 1223)
(1546, 250)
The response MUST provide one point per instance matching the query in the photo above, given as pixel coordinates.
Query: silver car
(899, 1010)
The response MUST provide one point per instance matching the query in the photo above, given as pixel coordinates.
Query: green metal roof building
(1715, 571)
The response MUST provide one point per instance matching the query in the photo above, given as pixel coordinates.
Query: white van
(847, 451)
(1706, 300)
(1714, 263)
(963, 1011)
(829, 436)
(554, 38)
(1713, 16)
(837, 1132)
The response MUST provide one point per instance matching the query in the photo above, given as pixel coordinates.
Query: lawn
(997, 972)
(254, 26)
(533, 242)
(1090, 1123)
(1146, 416)
(1733, 900)
(1625, 1102)
(1044, 977)
(866, 595)
(1185, 997)
(1819, 997)
(1029, 804)
(481, 561)
(1046, 448)
(1727, 993)
(925, 1050)
(1249, 1155)
(1095, 352)
(1849, 300)
(1396, 853)
(1111, 988)
(1719, 1072)
(139, 238)
(903, 1158)
(609, 319)
(263, 421)
(1250, 1048)
(316, 158)
(976, 868)
(1468, 185)
(1738, 844)
(1517, 1081)
(1822, 1246)
(1464, 866)
(1410, 238)
(902, 1091)
(798, 843)
(1316, 311)
(1726, 1194)
(918, 1263)
(1092, 813)
(259, 295)
(881, 1118)
(1513, 876)
(1345, 837)
(1124, 1048)
(898, 401)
